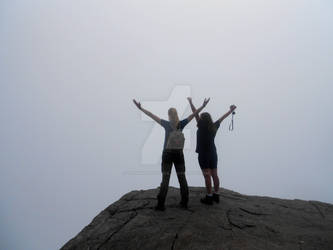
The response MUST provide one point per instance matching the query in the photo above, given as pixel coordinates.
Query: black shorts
(207, 160)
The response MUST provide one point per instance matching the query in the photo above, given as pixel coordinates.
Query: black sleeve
(183, 123)
(164, 123)
(217, 124)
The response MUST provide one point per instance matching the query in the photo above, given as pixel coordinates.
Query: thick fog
(72, 141)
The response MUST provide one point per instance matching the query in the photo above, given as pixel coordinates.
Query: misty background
(70, 133)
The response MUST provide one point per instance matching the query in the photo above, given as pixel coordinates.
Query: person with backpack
(206, 150)
(172, 152)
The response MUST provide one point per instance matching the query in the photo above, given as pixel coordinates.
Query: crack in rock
(226, 228)
(243, 224)
(271, 229)
(174, 241)
(122, 226)
(180, 228)
(253, 213)
(142, 206)
(318, 209)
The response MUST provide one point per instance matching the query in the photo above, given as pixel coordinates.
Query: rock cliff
(237, 222)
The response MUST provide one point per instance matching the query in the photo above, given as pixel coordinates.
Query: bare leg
(207, 174)
(216, 180)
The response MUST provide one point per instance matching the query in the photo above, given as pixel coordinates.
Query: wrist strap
(231, 125)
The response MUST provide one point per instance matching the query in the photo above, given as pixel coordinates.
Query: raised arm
(190, 117)
(151, 115)
(232, 108)
(193, 108)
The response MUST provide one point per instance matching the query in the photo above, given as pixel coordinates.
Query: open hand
(232, 107)
(138, 104)
(206, 101)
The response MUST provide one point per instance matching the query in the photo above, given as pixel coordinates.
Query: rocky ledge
(237, 222)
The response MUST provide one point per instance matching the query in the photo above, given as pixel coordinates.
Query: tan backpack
(176, 139)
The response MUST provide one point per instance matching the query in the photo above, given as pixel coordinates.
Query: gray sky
(69, 131)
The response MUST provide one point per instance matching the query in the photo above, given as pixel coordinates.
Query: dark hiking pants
(175, 157)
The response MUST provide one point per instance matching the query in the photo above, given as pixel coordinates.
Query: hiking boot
(216, 198)
(160, 207)
(208, 200)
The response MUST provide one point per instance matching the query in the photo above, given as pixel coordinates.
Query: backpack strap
(177, 128)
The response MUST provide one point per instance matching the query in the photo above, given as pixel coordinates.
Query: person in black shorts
(206, 150)
(172, 156)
